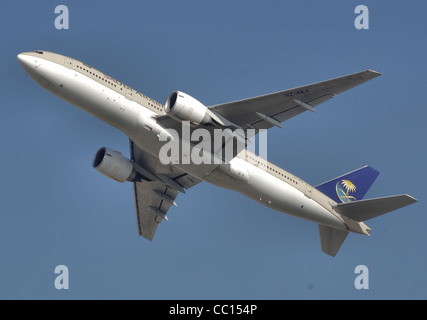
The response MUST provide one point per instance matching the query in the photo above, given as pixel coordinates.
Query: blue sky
(57, 210)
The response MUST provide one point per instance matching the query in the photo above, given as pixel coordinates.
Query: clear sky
(57, 210)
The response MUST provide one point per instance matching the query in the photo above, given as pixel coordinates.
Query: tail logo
(344, 190)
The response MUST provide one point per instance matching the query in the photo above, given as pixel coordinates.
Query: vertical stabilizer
(351, 186)
(331, 239)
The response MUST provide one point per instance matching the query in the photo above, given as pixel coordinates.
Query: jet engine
(114, 165)
(183, 107)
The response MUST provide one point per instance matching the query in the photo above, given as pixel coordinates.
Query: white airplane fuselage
(116, 104)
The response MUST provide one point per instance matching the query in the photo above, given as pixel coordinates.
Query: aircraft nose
(25, 61)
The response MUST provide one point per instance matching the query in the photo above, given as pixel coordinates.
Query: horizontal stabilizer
(331, 239)
(363, 210)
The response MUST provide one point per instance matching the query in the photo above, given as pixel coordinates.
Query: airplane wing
(269, 110)
(154, 198)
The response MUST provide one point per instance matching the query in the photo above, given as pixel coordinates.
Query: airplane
(337, 206)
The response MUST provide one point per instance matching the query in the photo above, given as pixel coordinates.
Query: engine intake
(183, 107)
(114, 165)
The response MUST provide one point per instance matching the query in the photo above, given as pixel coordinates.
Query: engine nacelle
(114, 165)
(183, 107)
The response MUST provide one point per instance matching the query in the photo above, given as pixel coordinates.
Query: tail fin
(361, 210)
(348, 191)
(351, 186)
(331, 239)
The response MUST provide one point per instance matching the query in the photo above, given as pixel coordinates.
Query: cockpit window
(39, 52)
